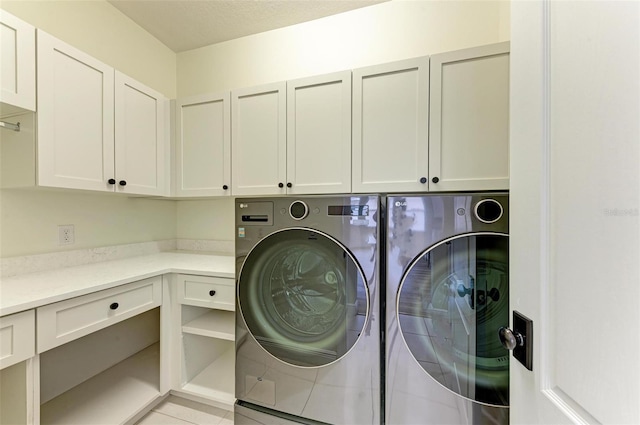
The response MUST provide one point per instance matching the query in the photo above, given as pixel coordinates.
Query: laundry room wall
(385, 32)
(29, 218)
(101, 30)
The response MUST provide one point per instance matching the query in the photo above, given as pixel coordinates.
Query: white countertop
(24, 292)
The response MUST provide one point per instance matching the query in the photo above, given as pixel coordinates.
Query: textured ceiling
(189, 24)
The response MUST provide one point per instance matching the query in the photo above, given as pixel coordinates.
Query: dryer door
(303, 297)
(451, 302)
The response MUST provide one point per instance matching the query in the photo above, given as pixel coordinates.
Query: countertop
(24, 292)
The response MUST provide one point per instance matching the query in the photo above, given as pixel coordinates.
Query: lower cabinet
(110, 356)
(204, 306)
(17, 348)
(99, 355)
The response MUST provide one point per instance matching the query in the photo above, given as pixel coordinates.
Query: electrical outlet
(66, 234)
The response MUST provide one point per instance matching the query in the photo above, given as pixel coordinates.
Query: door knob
(520, 339)
(510, 339)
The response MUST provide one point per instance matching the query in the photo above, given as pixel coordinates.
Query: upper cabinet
(259, 140)
(293, 137)
(97, 129)
(390, 127)
(75, 118)
(203, 146)
(319, 134)
(17, 65)
(438, 123)
(141, 153)
(469, 119)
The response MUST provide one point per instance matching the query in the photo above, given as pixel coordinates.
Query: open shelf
(14, 394)
(214, 323)
(217, 381)
(111, 397)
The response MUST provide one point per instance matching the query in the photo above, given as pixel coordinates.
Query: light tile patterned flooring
(179, 411)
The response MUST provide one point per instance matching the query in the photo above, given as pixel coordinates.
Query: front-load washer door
(303, 297)
(451, 302)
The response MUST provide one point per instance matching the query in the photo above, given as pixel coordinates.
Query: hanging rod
(10, 126)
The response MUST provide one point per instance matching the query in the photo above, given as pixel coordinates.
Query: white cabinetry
(469, 119)
(203, 146)
(293, 137)
(140, 146)
(75, 118)
(259, 140)
(17, 348)
(17, 65)
(319, 134)
(205, 310)
(80, 103)
(17, 338)
(100, 355)
(390, 127)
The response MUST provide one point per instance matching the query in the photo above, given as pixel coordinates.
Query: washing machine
(307, 319)
(447, 295)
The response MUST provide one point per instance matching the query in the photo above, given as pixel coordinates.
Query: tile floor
(179, 411)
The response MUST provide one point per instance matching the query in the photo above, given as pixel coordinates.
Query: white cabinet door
(17, 338)
(575, 202)
(319, 134)
(390, 127)
(469, 119)
(259, 140)
(203, 145)
(75, 117)
(140, 144)
(17, 65)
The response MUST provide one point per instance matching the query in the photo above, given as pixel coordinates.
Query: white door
(17, 65)
(319, 134)
(140, 143)
(391, 127)
(469, 119)
(575, 195)
(203, 145)
(259, 140)
(75, 117)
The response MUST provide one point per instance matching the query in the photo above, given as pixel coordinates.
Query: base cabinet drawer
(204, 291)
(67, 320)
(17, 338)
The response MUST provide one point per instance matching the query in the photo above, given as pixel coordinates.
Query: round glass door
(451, 302)
(303, 297)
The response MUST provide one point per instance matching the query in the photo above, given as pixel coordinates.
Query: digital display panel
(349, 210)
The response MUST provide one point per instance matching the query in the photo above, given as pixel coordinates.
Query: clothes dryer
(447, 295)
(307, 322)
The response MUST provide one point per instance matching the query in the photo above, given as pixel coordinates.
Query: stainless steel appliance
(447, 296)
(308, 298)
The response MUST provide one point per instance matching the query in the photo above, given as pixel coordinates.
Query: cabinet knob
(212, 292)
(122, 183)
(280, 185)
(225, 187)
(435, 180)
(423, 180)
(114, 306)
(289, 184)
(111, 181)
